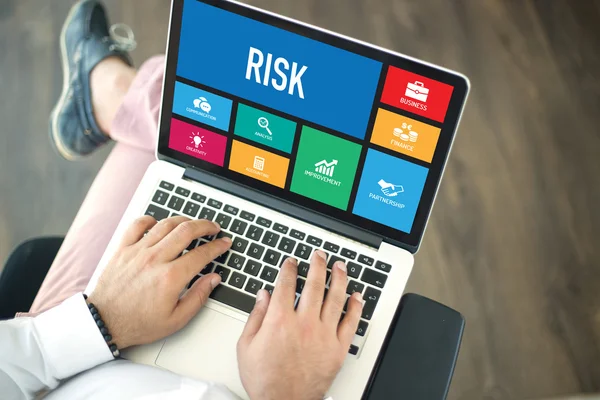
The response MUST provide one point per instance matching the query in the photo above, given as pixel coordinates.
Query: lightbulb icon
(197, 140)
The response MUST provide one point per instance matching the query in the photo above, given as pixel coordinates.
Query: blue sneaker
(84, 42)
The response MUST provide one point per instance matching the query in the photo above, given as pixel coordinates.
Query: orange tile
(405, 135)
(259, 164)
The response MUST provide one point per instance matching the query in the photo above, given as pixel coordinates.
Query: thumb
(195, 298)
(257, 316)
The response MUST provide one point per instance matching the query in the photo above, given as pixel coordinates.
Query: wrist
(103, 327)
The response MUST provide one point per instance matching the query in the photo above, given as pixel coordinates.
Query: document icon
(417, 91)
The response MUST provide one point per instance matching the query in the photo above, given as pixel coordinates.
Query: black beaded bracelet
(103, 329)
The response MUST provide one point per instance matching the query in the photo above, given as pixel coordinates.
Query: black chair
(417, 361)
(24, 273)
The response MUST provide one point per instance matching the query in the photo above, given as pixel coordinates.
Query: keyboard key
(327, 277)
(240, 245)
(362, 328)
(247, 216)
(208, 269)
(354, 270)
(348, 254)
(199, 198)
(374, 278)
(215, 203)
(192, 245)
(231, 210)
(270, 288)
(182, 192)
(353, 350)
(303, 251)
(334, 248)
(222, 258)
(300, 285)
(233, 298)
(223, 220)
(167, 185)
(191, 209)
(263, 222)
(371, 298)
(236, 261)
(252, 267)
(269, 274)
(254, 233)
(270, 239)
(207, 213)
(287, 245)
(303, 268)
(383, 266)
(281, 228)
(158, 213)
(333, 260)
(237, 280)
(297, 234)
(175, 215)
(314, 241)
(160, 197)
(272, 257)
(253, 286)
(366, 260)
(175, 203)
(354, 286)
(224, 272)
(256, 251)
(239, 227)
(223, 234)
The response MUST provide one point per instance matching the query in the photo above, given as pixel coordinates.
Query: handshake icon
(390, 190)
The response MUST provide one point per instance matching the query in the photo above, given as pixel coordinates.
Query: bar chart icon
(326, 168)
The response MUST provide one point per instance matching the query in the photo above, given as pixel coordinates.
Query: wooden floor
(514, 240)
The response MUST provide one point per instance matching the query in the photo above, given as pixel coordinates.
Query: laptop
(293, 139)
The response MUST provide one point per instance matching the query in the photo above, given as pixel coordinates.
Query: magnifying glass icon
(264, 123)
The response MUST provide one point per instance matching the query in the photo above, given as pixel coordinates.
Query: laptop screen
(338, 127)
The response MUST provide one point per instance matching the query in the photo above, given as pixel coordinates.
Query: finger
(136, 231)
(284, 294)
(257, 316)
(179, 238)
(161, 229)
(194, 261)
(336, 297)
(349, 325)
(195, 298)
(311, 300)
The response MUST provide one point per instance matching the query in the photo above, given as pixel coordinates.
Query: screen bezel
(409, 241)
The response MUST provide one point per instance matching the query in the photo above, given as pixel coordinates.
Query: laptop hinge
(304, 214)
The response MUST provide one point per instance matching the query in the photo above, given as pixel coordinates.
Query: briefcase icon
(417, 91)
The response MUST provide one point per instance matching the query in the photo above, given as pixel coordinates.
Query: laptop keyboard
(259, 248)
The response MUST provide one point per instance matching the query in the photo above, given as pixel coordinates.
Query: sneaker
(85, 40)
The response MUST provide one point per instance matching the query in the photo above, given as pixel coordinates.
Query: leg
(134, 125)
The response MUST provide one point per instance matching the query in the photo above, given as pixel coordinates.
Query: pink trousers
(135, 131)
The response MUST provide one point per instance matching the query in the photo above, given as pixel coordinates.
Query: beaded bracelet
(103, 329)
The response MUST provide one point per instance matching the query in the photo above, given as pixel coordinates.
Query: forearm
(37, 353)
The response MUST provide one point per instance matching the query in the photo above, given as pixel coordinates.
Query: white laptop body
(376, 232)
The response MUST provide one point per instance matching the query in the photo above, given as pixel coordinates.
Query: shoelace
(123, 38)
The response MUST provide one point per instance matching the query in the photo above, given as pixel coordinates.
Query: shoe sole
(55, 139)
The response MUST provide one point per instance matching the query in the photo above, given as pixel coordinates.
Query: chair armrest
(419, 354)
(24, 273)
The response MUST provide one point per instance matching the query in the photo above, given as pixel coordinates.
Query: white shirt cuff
(70, 338)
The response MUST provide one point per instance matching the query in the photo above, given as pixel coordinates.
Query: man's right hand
(296, 354)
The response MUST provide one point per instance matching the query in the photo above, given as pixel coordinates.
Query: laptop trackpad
(206, 350)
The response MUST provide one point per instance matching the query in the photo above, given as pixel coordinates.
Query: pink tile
(198, 142)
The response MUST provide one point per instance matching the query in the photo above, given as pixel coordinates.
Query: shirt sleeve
(37, 353)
